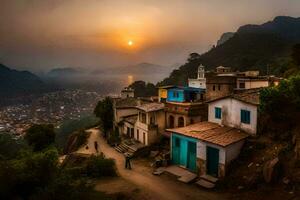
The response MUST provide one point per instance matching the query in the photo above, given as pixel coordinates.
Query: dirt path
(154, 187)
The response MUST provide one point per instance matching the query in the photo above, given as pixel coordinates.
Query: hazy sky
(42, 34)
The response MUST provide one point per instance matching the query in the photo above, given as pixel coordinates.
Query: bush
(40, 136)
(98, 166)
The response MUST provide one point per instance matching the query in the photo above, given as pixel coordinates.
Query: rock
(250, 164)
(240, 187)
(286, 180)
(270, 170)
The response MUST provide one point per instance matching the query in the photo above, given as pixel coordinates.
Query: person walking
(127, 161)
(96, 146)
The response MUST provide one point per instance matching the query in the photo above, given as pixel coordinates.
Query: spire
(201, 72)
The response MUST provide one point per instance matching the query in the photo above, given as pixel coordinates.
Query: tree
(9, 146)
(143, 89)
(104, 110)
(40, 136)
(193, 57)
(296, 54)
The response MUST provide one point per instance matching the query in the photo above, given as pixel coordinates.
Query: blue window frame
(218, 113)
(245, 116)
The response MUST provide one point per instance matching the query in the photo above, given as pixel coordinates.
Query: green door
(191, 157)
(176, 150)
(212, 159)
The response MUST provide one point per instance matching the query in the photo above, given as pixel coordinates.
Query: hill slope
(251, 47)
(16, 83)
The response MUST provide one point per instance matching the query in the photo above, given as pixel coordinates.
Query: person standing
(96, 146)
(127, 161)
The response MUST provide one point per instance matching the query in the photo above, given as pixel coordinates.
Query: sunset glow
(130, 43)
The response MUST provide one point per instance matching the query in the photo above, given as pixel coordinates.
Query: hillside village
(203, 126)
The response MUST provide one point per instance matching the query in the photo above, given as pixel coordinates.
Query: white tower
(200, 81)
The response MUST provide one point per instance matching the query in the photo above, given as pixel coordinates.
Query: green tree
(104, 110)
(143, 89)
(9, 146)
(296, 54)
(40, 136)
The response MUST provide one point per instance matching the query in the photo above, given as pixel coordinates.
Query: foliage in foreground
(40, 136)
(280, 106)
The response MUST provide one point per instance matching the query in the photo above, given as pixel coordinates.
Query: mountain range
(16, 83)
(253, 47)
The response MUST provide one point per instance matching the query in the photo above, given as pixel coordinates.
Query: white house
(237, 110)
(200, 81)
(150, 123)
(127, 92)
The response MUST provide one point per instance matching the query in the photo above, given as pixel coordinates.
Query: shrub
(98, 166)
(40, 136)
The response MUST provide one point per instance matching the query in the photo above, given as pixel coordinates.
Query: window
(175, 94)
(143, 117)
(245, 116)
(214, 87)
(218, 113)
(144, 137)
(138, 134)
(242, 85)
(219, 87)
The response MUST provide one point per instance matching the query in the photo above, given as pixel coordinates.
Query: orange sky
(95, 33)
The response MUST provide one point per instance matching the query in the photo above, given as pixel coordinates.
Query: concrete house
(206, 148)
(124, 108)
(127, 92)
(236, 110)
(150, 123)
(185, 106)
(163, 93)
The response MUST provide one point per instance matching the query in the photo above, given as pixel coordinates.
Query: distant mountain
(143, 71)
(251, 47)
(225, 37)
(16, 83)
(57, 72)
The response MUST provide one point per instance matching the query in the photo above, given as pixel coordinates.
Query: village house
(220, 85)
(127, 92)
(163, 93)
(124, 108)
(150, 123)
(236, 110)
(206, 148)
(185, 106)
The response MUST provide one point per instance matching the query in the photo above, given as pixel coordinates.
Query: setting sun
(130, 43)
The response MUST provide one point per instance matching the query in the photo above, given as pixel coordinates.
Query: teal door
(212, 159)
(176, 150)
(191, 157)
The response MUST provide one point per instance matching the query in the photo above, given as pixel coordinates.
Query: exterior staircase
(127, 146)
(207, 181)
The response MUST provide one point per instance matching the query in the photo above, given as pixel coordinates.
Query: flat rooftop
(212, 133)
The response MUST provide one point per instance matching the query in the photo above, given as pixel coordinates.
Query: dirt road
(154, 187)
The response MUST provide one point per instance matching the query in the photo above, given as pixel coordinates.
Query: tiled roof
(131, 119)
(149, 107)
(128, 102)
(212, 133)
(249, 96)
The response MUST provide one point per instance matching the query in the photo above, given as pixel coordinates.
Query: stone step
(209, 178)
(206, 184)
(187, 178)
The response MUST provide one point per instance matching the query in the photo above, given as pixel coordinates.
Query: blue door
(176, 150)
(212, 159)
(191, 157)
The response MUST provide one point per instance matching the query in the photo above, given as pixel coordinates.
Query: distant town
(49, 108)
